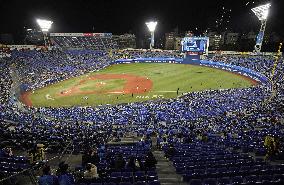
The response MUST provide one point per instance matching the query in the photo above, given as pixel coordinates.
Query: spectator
(131, 163)
(91, 171)
(94, 157)
(119, 162)
(150, 161)
(85, 158)
(64, 177)
(170, 152)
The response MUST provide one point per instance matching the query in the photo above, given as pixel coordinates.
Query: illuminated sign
(195, 44)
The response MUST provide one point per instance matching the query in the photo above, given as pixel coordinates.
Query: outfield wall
(219, 65)
(236, 69)
(148, 60)
(243, 53)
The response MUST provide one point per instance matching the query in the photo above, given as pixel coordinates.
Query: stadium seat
(195, 182)
(224, 181)
(209, 181)
(237, 180)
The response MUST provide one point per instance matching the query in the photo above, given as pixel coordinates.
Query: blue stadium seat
(140, 176)
(209, 181)
(224, 181)
(237, 180)
(195, 182)
(127, 177)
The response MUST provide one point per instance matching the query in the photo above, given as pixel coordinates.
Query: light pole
(151, 27)
(262, 13)
(44, 25)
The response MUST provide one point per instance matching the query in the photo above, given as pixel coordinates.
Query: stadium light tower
(44, 25)
(262, 13)
(151, 27)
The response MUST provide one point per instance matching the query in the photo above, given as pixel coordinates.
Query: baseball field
(124, 83)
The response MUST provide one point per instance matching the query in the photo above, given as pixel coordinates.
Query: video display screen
(194, 44)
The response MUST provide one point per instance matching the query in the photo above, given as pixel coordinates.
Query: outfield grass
(166, 78)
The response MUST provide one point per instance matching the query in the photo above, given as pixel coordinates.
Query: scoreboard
(195, 44)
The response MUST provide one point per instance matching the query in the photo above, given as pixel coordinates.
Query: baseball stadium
(92, 108)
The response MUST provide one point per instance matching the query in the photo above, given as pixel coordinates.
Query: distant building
(230, 38)
(215, 40)
(251, 35)
(248, 36)
(266, 38)
(188, 34)
(160, 43)
(6, 39)
(125, 41)
(143, 41)
(177, 45)
(170, 40)
(274, 37)
(34, 36)
(246, 41)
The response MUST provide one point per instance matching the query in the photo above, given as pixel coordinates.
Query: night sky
(120, 16)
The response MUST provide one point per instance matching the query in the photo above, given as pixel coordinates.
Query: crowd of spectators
(107, 165)
(241, 118)
(5, 81)
(36, 69)
(96, 43)
(40, 68)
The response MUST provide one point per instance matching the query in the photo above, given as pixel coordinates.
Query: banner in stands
(242, 53)
(24, 47)
(21, 46)
(149, 60)
(80, 34)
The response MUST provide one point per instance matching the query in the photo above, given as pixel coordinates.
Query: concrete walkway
(166, 171)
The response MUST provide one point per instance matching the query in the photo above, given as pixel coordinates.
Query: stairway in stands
(166, 171)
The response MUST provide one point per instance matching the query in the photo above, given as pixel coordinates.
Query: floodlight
(151, 27)
(44, 25)
(261, 11)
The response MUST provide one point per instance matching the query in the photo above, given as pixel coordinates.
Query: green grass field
(166, 78)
